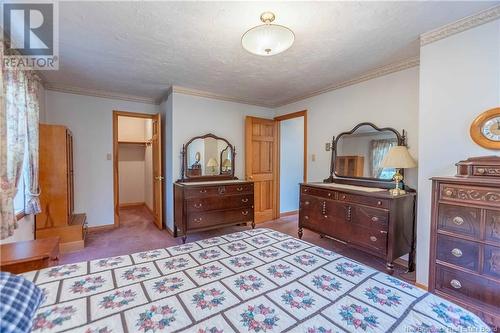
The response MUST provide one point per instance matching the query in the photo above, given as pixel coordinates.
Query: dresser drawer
(486, 196)
(491, 265)
(467, 286)
(492, 226)
(459, 220)
(458, 252)
(211, 218)
(483, 170)
(365, 200)
(323, 193)
(216, 203)
(373, 239)
(218, 190)
(370, 217)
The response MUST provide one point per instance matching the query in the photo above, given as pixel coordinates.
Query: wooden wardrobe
(57, 218)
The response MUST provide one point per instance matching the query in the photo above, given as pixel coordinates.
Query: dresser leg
(253, 224)
(389, 266)
(301, 232)
(184, 239)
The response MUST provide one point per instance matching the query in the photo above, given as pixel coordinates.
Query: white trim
(463, 24)
(99, 93)
(206, 94)
(373, 74)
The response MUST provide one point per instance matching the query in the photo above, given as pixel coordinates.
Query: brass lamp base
(397, 191)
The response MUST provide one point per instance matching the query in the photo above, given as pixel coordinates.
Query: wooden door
(261, 157)
(157, 172)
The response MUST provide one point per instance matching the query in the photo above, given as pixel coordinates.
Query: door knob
(159, 178)
(250, 177)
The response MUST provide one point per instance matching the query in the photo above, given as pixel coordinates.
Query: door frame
(279, 119)
(116, 182)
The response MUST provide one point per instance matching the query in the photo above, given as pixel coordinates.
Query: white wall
(459, 79)
(90, 120)
(132, 174)
(291, 162)
(390, 100)
(192, 116)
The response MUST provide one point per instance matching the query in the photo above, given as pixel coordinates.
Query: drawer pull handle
(458, 220)
(306, 217)
(198, 205)
(239, 189)
(306, 203)
(244, 200)
(379, 203)
(481, 170)
(375, 219)
(343, 197)
(456, 252)
(197, 220)
(456, 284)
(203, 191)
(329, 194)
(245, 212)
(373, 238)
(305, 190)
(325, 216)
(448, 192)
(383, 232)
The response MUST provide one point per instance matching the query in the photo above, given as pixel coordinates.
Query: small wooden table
(25, 256)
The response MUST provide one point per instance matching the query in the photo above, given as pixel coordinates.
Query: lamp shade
(226, 163)
(398, 157)
(212, 162)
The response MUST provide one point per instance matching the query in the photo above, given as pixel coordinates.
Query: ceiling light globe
(267, 39)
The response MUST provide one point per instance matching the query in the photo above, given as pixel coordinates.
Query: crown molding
(463, 24)
(206, 94)
(98, 93)
(373, 74)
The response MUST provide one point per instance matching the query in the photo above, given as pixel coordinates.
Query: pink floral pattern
(168, 284)
(110, 262)
(53, 317)
(209, 254)
(176, 263)
(156, 318)
(136, 273)
(208, 298)
(241, 261)
(259, 318)
(280, 271)
(237, 246)
(209, 272)
(61, 271)
(269, 253)
(305, 259)
(117, 299)
(298, 299)
(326, 283)
(87, 284)
(248, 282)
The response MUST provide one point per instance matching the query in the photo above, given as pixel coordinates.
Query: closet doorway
(137, 164)
(292, 160)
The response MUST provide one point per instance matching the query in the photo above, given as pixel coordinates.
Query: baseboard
(131, 204)
(171, 232)
(422, 286)
(149, 209)
(98, 228)
(290, 213)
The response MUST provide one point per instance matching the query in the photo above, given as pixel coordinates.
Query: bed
(251, 281)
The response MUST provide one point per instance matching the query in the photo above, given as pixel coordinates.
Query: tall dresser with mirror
(355, 207)
(465, 237)
(209, 196)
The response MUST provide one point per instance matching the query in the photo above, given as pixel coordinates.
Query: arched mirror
(208, 157)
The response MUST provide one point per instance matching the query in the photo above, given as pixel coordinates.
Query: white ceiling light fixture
(267, 39)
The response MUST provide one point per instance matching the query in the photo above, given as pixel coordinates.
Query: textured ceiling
(143, 48)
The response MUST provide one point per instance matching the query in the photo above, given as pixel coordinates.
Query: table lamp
(399, 158)
(212, 164)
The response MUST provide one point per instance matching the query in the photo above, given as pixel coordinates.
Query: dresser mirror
(359, 152)
(208, 157)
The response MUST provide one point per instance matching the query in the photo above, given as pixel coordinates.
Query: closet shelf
(133, 142)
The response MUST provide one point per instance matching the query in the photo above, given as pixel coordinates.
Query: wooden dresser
(212, 204)
(465, 237)
(374, 222)
(57, 218)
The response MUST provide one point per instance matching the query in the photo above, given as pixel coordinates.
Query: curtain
(18, 133)
(32, 190)
(378, 150)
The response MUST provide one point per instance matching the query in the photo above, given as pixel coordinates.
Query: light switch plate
(108, 156)
(313, 157)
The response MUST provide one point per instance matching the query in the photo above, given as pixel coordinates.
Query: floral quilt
(251, 281)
